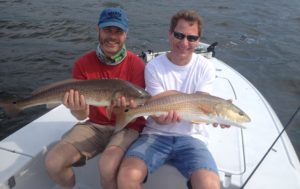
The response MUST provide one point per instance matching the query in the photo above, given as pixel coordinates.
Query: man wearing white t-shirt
(167, 137)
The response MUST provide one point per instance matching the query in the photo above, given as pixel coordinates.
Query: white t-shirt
(162, 75)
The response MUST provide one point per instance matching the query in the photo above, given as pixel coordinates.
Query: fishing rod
(270, 148)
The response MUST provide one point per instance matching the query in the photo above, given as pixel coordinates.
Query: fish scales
(93, 89)
(197, 107)
(98, 92)
(182, 102)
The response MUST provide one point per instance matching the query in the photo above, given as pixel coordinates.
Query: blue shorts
(186, 153)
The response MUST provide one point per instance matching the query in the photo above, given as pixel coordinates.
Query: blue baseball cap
(113, 17)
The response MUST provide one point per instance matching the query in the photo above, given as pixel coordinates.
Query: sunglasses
(181, 36)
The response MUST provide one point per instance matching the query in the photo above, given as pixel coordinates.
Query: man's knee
(57, 158)
(109, 162)
(132, 171)
(52, 162)
(205, 179)
(108, 169)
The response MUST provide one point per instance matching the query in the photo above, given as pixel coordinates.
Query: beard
(110, 46)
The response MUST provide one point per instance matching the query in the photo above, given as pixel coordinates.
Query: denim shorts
(186, 153)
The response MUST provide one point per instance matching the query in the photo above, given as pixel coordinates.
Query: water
(40, 40)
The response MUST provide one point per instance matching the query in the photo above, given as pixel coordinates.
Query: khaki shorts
(91, 139)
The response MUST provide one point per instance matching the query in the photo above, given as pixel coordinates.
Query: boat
(246, 158)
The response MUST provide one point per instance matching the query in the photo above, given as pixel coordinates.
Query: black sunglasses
(181, 36)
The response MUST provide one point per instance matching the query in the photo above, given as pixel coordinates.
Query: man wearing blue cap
(87, 139)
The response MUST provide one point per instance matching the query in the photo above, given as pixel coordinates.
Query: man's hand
(221, 125)
(77, 104)
(121, 102)
(170, 117)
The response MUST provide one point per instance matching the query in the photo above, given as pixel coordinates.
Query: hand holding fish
(221, 125)
(77, 104)
(171, 117)
(121, 102)
(76, 94)
(197, 108)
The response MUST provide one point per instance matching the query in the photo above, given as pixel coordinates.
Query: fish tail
(10, 108)
(122, 118)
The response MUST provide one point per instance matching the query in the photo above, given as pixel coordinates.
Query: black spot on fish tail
(10, 108)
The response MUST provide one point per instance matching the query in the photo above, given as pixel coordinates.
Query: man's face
(184, 47)
(111, 39)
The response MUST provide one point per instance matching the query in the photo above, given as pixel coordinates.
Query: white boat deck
(236, 151)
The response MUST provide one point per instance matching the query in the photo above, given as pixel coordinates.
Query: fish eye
(241, 113)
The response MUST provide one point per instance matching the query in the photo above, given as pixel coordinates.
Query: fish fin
(10, 108)
(229, 100)
(50, 86)
(52, 105)
(122, 118)
(206, 109)
(202, 93)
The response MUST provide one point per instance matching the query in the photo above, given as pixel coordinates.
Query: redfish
(197, 108)
(98, 92)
